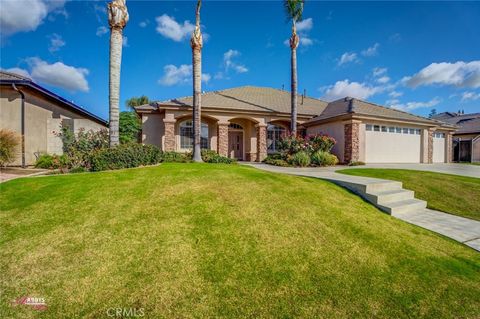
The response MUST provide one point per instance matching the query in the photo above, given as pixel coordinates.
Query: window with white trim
(274, 133)
(186, 135)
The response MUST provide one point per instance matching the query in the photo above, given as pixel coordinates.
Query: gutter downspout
(22, 121)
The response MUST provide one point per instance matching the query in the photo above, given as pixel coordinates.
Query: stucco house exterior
(37, 114)
(466, 140)
(247, 122)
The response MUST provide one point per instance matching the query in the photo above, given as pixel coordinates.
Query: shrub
(321, 142)
(47, 161)
(130, 127)
(292, 144)
(175, 157)
(276, 162)
(9, 140)
(301, 159)
(209, 156)
(322, 158)
(125, 156)
(356, 163)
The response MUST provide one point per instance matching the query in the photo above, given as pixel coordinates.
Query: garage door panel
(386, 147)
(438, 150)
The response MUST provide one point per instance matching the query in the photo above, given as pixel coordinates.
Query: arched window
(235, 126)
(274, 133)
(186, 135)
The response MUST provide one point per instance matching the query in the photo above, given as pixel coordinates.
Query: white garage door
(438, 147)
(387, 144)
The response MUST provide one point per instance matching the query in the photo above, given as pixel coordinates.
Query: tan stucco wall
(335, 130)
(42, 120)
(153, 129)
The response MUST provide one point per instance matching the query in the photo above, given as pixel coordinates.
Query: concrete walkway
(390, 197)
(451, 168)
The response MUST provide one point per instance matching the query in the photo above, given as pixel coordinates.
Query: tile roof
(253, 98)
(350, 105)
(262, 99)
(5, 76)
(467, 123)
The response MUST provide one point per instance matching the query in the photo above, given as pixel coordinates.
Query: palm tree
(117, 18)
(294, 10)
(196, 42)
(137, 101)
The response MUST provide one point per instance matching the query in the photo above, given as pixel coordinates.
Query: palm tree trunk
(116, 39)
(197, 96)
(293, 124)
(293, 90)
(196, 42)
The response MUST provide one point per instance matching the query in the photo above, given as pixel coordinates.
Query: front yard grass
(452, 194)
(208, 240)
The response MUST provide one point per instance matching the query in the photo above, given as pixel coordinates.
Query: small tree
(137, 101)
(433, 112)
(130, 127)
(9, 141)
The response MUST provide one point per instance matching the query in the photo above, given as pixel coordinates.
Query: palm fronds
(294, 9)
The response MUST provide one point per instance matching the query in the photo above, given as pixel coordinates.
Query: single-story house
(37, 114)
(466, 140)
(247, 122)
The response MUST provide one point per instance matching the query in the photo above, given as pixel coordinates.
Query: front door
(235, 145)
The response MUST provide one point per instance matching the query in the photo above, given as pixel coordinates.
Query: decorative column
(430, 146)
(222, 138)
(351, 151)
(448, 147)
(261, 141)
(169, 141)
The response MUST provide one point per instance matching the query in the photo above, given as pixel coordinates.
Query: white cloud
(470, 96)
(395, 94)
(169, 28)
(177, 75)
(19, 71)
(56, 42)
(143, 24)
(305, 25)
(59, 75)
(346, 88)
(413, 105)
(25, 15)
(371, 51)
(306, 41)
(383, 80)
(125, 41)
(379, 71)
(458, 74)
(101, 31)
(347, 58)
(230, 64)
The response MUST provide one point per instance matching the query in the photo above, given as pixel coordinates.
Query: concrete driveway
(452, 168)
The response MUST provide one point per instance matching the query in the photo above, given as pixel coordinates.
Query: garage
(392, 144)
(438, 147)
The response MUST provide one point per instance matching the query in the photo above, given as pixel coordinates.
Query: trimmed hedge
(124, 156)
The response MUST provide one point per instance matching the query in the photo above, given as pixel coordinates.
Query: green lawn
(206, 240)
(453, 194)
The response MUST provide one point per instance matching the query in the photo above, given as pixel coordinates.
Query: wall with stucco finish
(335, 130)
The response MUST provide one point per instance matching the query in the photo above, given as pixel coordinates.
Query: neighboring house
(247, 122)
(466, 140)
(37, 114)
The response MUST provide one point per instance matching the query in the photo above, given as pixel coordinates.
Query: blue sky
(414, 56)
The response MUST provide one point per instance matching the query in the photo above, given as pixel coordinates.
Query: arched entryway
(236, 141)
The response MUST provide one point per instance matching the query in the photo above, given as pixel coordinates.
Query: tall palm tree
(137, 101)
(196, 42)
(294, 11)
(117, 18)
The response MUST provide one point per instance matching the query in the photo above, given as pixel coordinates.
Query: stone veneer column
(222, 138)
(261, 142)
(448, 146)
(352, 142)
(169, 142)
(430, 147)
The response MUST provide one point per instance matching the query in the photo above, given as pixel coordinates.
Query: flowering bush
(291, 144)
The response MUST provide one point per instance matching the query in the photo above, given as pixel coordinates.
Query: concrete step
(378, 187)
(390, 196)
(403, 206)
